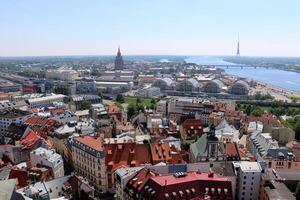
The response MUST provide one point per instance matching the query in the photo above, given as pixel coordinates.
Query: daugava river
(284, 79)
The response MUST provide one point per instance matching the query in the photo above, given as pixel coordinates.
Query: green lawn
(132, 100)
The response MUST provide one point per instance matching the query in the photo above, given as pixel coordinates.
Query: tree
(138, 101)
(85, 105)
(257, 112)
(297, 130)
(120, 98)
(248, 109)
(140, 108)
(131, 110)
(185, 146)
(152, 106)
(278, 111)
(153, 101)
(136, 75)
(297, 193)
(61, 89)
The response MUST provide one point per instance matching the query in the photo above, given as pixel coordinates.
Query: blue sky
(179, 27)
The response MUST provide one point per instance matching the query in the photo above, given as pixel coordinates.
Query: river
(280, 78)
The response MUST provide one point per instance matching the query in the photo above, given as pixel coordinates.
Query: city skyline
(55, 28)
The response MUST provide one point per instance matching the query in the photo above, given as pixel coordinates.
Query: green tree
(297, 130)
(153, 101)
(278, 111)
(277, 103)
(85, 105)
(257, 111)
(131, 110)
(62, 89)
(140, 107)
(120, 98)
(297, 193)
(138, 101)
(152, 106)
(248, 109)
(185, 146)
(136, 75)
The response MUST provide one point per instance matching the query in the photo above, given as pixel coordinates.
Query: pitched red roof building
(124, 154)
(191, 127)
(42, 125)
(162, 152)
(179, 186)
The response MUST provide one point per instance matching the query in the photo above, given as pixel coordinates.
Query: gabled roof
(199, 147)
(90, 141)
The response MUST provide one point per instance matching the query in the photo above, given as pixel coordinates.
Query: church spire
(119, 51)
(119, 64)
(238, 47)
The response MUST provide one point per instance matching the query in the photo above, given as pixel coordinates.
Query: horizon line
(125, 55)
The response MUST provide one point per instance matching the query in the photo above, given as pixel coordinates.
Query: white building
(48, 158)
(46, 101)
(122, 176)
(53, 189)
(62, 74)
(65, 117)
(227, 133)
(83, 127)
(255, 126)
(148, 92)
(248, 179)
(161, 107)
(12, 116)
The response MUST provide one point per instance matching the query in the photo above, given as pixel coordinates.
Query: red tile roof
(126, 154)
(91, 141)
(41, 124)
(195, 123)
(231, 150)
(162, 152)
(57, 111)
(31, 139)
(184, 186)
(140, 179)
(21, 175)
(190, 176)
(265, 119)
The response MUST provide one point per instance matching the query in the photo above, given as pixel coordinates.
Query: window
(244, 183)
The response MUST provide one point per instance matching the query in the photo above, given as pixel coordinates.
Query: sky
(149, 27)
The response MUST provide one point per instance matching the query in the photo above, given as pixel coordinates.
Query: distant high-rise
(238, 48)
(119, 63)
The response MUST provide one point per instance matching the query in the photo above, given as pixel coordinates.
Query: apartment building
(89, 160)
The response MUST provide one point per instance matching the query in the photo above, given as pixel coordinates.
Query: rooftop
(186, 177)
(13, 113)
(49, 155)
(90, 141)
(246, 166)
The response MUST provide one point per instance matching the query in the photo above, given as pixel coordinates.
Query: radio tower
(238, 47)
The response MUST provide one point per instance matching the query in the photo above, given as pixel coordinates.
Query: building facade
(48, 158)
(248, 176)
(89, 160)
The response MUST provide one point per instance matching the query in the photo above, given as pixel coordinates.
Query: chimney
(211, 175)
